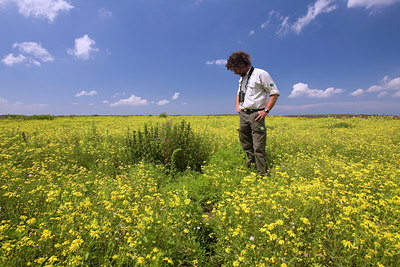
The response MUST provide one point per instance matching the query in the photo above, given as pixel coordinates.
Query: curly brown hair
(238, 59)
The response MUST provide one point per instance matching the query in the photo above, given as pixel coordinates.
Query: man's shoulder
(260, 71)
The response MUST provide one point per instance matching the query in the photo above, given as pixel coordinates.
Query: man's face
(241, 70)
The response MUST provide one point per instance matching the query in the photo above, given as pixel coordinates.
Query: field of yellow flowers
(70, 197)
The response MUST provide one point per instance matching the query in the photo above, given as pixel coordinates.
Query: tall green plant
(176, 146)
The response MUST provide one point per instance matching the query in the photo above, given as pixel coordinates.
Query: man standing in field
(253, 105)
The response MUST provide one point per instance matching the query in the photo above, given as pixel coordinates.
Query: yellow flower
(45, 235)
(20, 228)
(6, 246)
(305, 221)
(170, 261)
(140, 260)
(75, 244)
(94, 234)
(40, 260)
(347, 244)
(31, 221)
(78, 194)
(52, 259)
(76, 260)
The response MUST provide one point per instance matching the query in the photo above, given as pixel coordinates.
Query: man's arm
(271, 103)
(238, 110)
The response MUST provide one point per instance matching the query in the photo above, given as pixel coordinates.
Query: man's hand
(238, 110)
(261, 115)
(271, 103)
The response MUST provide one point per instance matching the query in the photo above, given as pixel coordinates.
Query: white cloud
(175, 96)
(131, 101)
(383, 94)
(85, 93)
(83, 47)
(47, 9)
(18, 107)
(358, 92)
(271, 14)
(344, 107)
(217, 62)
(11, 60)
(384, 88)
(370, 3)
(319, 7)
(105, 13)
(386, 85)
(118, 95)
(3, 101)
(284, 27)
(301, 89)
(252, 32)
(32, 53)
(34, 49)
(162, 102)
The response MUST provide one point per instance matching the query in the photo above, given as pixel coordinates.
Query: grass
(69, 196)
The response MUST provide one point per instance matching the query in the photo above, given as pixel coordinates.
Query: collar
(247, 73)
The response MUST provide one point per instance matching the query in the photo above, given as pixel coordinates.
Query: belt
(249, 111)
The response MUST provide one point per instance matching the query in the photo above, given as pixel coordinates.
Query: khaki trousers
(253, 136)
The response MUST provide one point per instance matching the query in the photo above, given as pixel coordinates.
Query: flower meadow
(70, 195)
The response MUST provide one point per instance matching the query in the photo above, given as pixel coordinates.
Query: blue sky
(69, 57)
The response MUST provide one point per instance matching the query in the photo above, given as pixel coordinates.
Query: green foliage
(341, 125)
(33, 117)
(163, 115)
(70, 196)
(175, 146)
